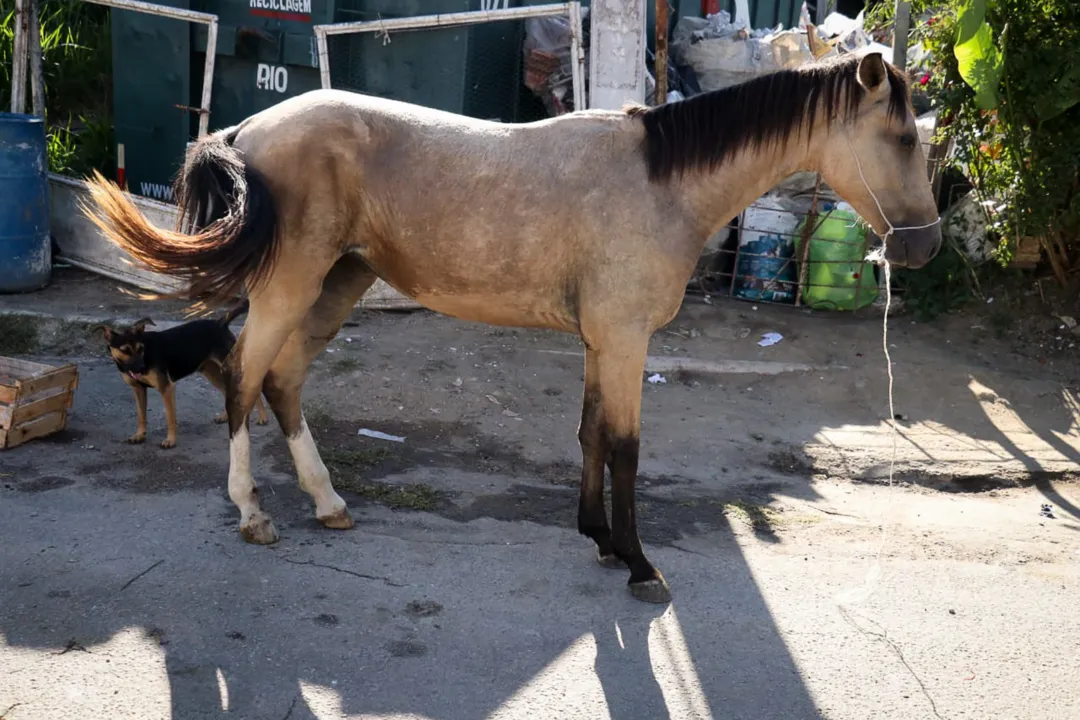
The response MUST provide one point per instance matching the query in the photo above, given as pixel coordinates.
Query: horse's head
(874, 160)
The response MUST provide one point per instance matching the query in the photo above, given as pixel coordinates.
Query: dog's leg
(212, 372)
(169, 396)
(262, 418)
(140, 405)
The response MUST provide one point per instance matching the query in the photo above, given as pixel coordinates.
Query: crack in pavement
(296, 698)
(364, 576)
(692, 552)
(883, 635)
(405, 537)
(126, 585)
(72, 644)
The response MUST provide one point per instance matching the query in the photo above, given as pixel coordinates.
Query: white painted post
(617, 53)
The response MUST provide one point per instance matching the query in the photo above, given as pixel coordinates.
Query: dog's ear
(105, 330)
(139, 325)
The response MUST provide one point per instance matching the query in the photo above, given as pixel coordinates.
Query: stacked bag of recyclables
(724, 52)
(837, 275)
(548, 70)
(548, 64)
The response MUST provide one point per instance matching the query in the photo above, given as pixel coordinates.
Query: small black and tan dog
(159, 359)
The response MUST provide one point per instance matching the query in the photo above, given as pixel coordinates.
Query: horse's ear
(139, 325)
(872, 73)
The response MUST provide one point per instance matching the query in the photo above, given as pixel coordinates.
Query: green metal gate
(151, 76)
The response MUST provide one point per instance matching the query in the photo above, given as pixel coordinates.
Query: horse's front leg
(621, 366)
(592, 516)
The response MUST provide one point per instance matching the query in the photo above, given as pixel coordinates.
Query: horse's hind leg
(343, 287)
(592, 517)
(275, 312)
(621, 363)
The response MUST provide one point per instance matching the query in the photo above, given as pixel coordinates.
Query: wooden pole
(18, 62)
(660, 96)
(901, 27)
(37, 65)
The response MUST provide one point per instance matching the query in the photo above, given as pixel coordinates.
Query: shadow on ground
(439, 619)
(464, 591)
(474, 603)
(1023, 435)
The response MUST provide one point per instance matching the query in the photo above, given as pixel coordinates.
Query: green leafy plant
(882, 13)
(77, 62)
(944, 285)
(978, 59)
(59, 149)
(1005, 78)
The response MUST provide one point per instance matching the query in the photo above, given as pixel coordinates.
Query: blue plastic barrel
(25, 245)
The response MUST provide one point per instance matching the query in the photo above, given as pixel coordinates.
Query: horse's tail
(226, 204)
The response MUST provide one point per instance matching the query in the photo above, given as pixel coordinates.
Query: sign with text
(271, 77)
(293, 10)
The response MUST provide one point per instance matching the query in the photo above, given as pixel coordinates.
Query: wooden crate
(1028, 252)
(34, 399)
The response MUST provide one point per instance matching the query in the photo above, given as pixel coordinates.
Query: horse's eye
(907, 140)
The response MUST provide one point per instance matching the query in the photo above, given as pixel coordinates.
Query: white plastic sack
(840, 24)
(690, 30)
(769, 216)
(847, 35)
(550, 34)
(966, 224)
(797, 192)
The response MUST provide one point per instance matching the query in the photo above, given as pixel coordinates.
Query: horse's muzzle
(913, 248)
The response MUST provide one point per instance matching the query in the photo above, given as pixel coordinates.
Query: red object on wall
(710, 7)
(121, 171)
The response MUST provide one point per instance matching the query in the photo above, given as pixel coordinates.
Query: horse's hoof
(341, 520)
(651, 591)
(610, 561)
(259, 530)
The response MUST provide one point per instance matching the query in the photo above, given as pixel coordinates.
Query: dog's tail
(225, 203)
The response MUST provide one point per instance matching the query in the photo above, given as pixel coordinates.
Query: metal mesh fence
(798, 247)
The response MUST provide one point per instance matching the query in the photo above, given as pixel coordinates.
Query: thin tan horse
(589, 223)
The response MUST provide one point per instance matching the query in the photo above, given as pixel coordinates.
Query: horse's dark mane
(703, 131)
